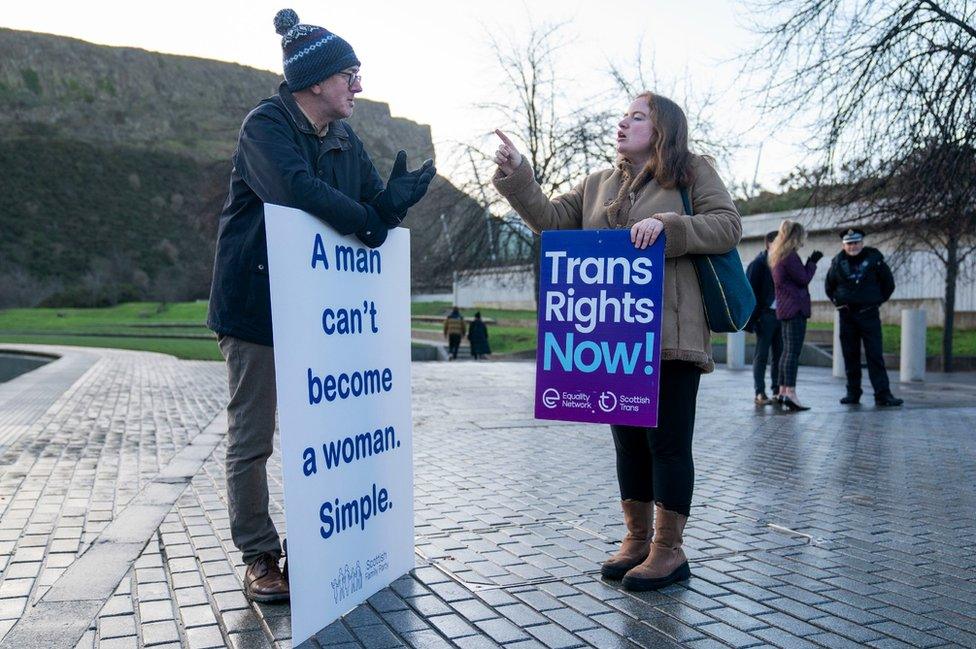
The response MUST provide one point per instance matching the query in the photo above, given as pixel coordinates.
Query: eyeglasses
(352, 78)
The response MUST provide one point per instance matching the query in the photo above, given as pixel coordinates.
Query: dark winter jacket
(478, 337)
(761, 279)
(859, 281)
(280, 159)
(791, 278)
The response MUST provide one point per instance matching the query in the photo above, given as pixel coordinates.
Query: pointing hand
(507, 157)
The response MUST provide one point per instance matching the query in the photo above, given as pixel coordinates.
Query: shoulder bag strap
(685, 200)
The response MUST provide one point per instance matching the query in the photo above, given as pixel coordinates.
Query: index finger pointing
(504, 138)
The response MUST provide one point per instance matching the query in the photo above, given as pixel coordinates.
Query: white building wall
(511, 287)
(920, 279)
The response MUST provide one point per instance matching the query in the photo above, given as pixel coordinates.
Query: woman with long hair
(790, 279)
(641, 192)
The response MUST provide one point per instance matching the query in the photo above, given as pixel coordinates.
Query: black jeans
(655, 464)
(857, 324)
(768, 336)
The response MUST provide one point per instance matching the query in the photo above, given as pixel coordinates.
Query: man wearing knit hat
(293, 150)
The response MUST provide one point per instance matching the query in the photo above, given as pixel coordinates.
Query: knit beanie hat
(310, 53)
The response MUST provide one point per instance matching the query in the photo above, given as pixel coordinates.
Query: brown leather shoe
(639, 517)
(263, 581)
(666, 562)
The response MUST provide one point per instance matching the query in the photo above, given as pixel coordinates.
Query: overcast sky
(430, 59)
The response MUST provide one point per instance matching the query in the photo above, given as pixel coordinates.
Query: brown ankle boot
(666, 563)
(639, 517)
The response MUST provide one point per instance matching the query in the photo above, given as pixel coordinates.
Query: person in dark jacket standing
(791, 278)
(858, 283)
(765, 324)
(294, 149)
(478, 337)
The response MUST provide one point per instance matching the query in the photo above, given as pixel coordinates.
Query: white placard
(341, 315)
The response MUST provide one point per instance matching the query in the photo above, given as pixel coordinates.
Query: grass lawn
(199, 350)
(963, 341)
(131, 318)
(503, 338)
(509, 340)
(179, 329)
(148, 326)
(443, 308)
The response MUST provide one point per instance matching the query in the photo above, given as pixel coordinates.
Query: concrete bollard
(912, 367)
(838, 366)
(735, 350)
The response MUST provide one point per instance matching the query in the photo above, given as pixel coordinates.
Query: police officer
(858, 282)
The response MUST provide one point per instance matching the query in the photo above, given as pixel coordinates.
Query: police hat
(852, 235)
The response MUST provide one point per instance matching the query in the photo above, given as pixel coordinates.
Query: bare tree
(18, 288)
(562, 141)
(889, 90)
(705, 134)
(460, 232)
(926, 201)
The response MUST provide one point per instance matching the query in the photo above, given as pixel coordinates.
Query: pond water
(13, 365)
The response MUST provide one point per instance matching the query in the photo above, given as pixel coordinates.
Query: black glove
(403, 190)
(373, 234)
(815, 256)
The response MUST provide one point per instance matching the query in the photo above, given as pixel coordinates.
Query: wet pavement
(835, 527)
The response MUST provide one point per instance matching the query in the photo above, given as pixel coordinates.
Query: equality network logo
(607, 401)
(550, 398)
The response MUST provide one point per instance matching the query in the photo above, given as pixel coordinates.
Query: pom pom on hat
(285, 20)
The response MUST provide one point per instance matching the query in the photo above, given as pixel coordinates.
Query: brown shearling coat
(714, 228)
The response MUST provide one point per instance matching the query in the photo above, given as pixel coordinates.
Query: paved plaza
(838, 527)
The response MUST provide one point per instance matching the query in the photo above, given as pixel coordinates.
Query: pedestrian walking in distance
(858, 283)
(478, 337)
(791, 278)
(454, 329)
(765, 325)
(296, 150)
(642, 193)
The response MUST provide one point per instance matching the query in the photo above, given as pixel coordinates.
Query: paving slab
(835, 527)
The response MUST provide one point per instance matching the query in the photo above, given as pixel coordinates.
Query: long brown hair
(789, 239)
(670, 161)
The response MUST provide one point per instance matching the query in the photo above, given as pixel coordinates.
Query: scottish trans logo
(608, 401)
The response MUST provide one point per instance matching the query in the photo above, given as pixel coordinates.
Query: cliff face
(62, 87)
(117, 160)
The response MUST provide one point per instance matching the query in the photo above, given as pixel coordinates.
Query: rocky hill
(114, 163)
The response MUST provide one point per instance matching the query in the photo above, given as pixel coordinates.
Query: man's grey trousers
(250, 442)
